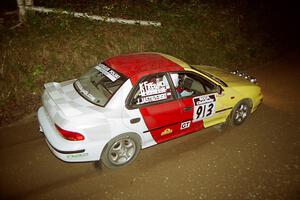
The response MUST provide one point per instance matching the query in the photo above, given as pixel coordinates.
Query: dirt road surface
(258, 160)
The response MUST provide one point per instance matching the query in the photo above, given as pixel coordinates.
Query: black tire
(121, 150)
(240, 112)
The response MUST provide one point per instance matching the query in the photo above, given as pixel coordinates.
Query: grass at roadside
(57, 48)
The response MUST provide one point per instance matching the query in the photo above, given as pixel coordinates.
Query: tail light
(69, 135)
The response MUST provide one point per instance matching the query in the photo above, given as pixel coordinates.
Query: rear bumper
(69, 151)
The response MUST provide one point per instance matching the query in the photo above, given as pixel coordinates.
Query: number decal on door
(204, 106)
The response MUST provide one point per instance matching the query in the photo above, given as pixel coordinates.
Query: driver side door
(198, 99)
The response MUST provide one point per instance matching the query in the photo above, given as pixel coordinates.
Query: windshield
(99, 84)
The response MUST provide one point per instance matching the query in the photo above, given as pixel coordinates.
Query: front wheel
(240, 112)
(121, 150)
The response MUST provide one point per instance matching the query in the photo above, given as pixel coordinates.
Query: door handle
(135, 120)
(188, 108)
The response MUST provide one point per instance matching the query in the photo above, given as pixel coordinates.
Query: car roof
(137, 65)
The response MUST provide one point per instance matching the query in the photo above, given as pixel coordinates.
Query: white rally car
(130, 102)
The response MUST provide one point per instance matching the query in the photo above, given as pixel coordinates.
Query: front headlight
(244, 75)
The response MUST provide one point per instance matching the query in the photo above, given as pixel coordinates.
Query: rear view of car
(72, 109)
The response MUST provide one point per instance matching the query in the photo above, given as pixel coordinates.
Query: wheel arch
(229, 117)
(248, 100)
(115, 136)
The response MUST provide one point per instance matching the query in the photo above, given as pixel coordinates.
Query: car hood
(63, 99)
(224, 75)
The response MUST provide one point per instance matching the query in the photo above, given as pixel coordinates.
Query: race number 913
(204, 106)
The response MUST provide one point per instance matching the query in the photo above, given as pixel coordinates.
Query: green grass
(57, 48)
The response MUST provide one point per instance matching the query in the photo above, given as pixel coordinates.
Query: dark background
(277, 18)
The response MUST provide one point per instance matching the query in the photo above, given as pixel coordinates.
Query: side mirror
(219, 89)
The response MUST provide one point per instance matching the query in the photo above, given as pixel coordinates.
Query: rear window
(99, 84)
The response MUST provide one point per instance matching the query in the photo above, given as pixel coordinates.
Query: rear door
(158, 106)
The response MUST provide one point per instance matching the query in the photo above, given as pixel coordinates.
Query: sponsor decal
(166, 132)
(152, 98)
(150, 88)
(151, 92)
(78, 155)
(185, 125)
(85, 92)
(204, 107)
(108, 72)
(204, 99)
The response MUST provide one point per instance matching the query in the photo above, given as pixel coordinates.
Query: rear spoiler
(51, 84)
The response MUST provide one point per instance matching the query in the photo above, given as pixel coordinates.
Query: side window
(151, 90)
(188, 84)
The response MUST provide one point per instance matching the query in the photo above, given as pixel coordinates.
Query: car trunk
(63, 101)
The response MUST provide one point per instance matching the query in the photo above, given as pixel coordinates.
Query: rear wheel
(121, 150)
(240, 112)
